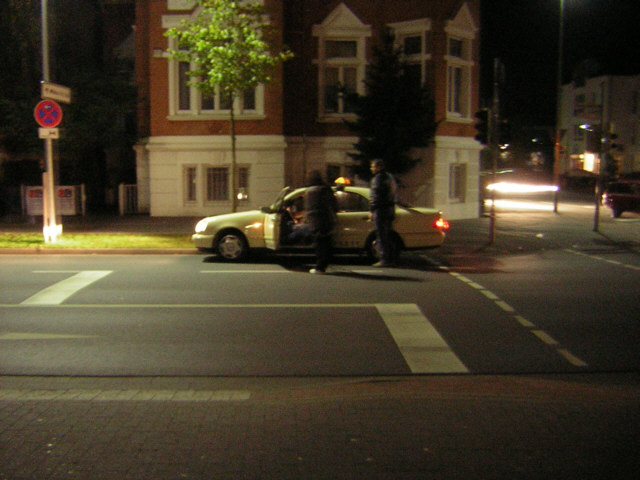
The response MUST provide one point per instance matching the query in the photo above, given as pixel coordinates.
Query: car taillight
(441, 224)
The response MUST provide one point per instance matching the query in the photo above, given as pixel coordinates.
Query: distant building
(606, 107)
(295, 124)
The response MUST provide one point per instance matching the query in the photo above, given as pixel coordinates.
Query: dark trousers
(322, 244)
(383, 223)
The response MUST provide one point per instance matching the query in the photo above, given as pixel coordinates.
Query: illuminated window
(341, 62)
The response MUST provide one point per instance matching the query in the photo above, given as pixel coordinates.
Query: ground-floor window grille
(217, 187)
(190, 184)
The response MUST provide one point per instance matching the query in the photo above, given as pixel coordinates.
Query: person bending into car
(382, 208)
(320, 209)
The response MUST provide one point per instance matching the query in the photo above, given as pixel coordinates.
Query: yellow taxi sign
(342, 181)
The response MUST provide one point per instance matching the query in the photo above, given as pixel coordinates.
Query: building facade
(296, 123)
(604, 108)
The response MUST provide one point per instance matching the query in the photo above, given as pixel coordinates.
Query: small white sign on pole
(45, 133)
(55, 92)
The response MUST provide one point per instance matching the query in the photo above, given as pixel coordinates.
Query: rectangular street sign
(45, 133)
(52, 91)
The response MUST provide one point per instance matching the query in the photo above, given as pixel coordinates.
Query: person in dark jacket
(382, 205)
(320, 210)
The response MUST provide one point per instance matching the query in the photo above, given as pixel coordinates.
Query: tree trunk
(232, 175)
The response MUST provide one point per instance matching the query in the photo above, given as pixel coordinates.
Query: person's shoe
(316, 271)
(383, 265)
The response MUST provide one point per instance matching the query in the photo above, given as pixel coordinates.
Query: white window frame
(460, 66)
(458, 79)
(340, 25)
(458, 182)
(414, 28)
(190, 184)
(196, 111)
(242, 180)
(208, 197)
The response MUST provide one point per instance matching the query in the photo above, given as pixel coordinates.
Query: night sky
(524, 35)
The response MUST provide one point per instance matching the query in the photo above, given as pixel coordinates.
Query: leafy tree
(230, 45)
(396, 113)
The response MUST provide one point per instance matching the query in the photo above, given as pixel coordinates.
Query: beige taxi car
(277, 227)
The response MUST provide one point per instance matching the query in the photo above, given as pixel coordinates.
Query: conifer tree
(395, 114)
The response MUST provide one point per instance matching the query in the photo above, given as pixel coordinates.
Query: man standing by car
(382, 207)
(320, 209)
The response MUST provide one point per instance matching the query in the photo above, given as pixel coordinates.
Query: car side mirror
(265, 210)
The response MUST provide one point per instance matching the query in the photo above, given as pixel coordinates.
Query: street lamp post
(50, 228)
(557, 167)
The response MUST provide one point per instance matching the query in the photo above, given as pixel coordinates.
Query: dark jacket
(383, 194)
(320, 209)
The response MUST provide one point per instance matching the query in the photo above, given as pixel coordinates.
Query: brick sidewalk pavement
(441, 427)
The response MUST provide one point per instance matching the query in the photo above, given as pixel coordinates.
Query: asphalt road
(552, 311)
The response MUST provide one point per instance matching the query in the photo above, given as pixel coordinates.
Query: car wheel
(616, 213)
(232, 246)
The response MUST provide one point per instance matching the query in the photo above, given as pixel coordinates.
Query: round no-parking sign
(48, 114)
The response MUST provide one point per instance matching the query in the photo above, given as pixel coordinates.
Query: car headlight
(201, 226)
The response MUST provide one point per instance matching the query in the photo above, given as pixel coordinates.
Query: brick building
(295, 123)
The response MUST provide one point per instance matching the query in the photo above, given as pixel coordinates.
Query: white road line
(201, 305)
(523, 321)
(542, 335)
(489, 294)
(571, 358)
(424, 350)
(602, 259)
(545, 337)
(245, 271)
(128, 395)
(59, 292)
(40, 336)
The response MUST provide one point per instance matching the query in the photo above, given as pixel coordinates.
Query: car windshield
(275, 206)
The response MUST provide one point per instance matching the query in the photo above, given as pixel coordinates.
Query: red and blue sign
(48, 114)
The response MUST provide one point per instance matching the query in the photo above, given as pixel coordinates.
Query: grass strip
(95, 241)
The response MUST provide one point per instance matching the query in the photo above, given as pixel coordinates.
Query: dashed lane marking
(540, 334)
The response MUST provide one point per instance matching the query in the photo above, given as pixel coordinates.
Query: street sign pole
(50, 228)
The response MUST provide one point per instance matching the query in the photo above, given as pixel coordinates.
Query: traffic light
(482, 126)
(504, 133)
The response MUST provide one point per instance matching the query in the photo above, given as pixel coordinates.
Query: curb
(98, 251)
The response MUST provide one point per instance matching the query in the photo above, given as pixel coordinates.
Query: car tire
(232, 246)
(616, 213)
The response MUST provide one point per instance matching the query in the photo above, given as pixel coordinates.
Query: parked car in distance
(234, 235)
(622, 196)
